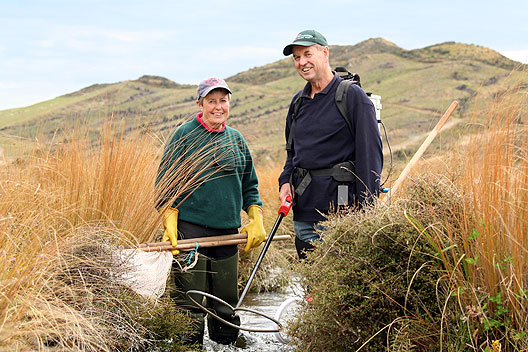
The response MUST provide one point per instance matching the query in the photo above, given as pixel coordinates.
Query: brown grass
(484, 244)
(73, 198)
(495, 180)
(55, 200)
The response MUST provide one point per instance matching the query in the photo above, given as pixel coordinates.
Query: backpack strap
(341, 100)
(296, 105)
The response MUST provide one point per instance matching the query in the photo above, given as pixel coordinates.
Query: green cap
(307, 37)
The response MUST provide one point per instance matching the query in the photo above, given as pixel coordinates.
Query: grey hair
(200, 100)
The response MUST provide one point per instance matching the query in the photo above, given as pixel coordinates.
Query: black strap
(342, 172)
(289, 143)
(341, 100)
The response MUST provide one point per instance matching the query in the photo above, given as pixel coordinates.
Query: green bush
(376, 279)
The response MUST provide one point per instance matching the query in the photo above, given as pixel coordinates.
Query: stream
(267, 303)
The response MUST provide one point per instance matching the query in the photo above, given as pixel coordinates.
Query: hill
(416, 87)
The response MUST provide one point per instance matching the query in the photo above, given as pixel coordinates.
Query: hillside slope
(416, 87)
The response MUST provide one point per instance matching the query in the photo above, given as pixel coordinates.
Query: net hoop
(277, 324)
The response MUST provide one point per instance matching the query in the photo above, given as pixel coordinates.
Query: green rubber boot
(224, 285)
(195, 279)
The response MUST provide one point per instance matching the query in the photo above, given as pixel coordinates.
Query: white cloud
(517, 55)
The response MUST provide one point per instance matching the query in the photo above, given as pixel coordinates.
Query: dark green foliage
(165, 326)
(374, 278)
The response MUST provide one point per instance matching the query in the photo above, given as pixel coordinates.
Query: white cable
(280, 311)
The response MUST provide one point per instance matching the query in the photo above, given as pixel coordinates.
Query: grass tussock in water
(444, 268)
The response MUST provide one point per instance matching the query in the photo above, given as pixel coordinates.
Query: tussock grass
(494, 292)
(60, 210)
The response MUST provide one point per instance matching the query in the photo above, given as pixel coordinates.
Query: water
(266, 303)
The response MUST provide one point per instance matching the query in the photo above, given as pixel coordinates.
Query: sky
(49, 47)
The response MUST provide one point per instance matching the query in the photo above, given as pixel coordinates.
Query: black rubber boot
(302, 247)
(195, 279)
(224, 285)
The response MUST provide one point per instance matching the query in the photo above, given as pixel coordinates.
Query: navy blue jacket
(322, 139)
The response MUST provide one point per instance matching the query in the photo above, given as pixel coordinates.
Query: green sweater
(220, 158)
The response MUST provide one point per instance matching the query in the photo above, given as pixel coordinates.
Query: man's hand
(285, 191)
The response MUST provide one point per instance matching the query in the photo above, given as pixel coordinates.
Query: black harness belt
(342, 172)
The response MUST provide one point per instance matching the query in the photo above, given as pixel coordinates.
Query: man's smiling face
(310, 61)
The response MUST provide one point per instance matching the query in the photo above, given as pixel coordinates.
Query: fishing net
(146, 272)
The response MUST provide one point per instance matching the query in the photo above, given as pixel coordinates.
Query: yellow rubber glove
(255, 229)
(170, 222)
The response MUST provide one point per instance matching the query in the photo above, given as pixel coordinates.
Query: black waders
(302, 247)
(218, 277)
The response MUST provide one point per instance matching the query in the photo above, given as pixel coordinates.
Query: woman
(228, 185)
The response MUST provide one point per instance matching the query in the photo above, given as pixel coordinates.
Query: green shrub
(376, 279)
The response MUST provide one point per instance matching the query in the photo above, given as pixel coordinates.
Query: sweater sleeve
(368, 147)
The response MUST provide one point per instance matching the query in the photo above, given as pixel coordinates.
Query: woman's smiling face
(215, 108)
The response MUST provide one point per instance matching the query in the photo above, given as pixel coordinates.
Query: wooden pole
(394, 189)
(205, 242)
(193, 240)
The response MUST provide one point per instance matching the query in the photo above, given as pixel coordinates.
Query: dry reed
(45, 198)
(496, 244)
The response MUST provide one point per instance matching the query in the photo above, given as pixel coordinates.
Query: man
(329, 164)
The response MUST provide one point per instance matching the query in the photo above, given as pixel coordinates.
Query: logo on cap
(304, 36)
(212, 81)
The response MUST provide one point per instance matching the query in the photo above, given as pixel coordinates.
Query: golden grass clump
(59, 207)
(494, 285)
